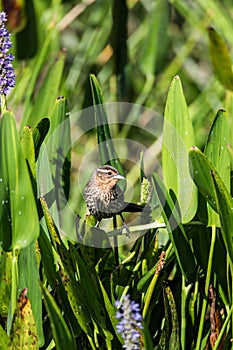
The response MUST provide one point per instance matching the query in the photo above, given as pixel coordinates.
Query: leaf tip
(222, 110)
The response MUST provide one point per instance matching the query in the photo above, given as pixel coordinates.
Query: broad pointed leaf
(172, 219)
(178, 137)
(18, 213)
(107, 151)
(221, 60)
(216, 151)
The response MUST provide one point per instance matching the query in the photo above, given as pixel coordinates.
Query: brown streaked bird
(104, 198)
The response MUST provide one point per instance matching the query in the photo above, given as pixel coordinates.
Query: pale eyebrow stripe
(107, 170)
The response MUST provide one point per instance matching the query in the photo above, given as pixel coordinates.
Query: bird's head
(107, 177)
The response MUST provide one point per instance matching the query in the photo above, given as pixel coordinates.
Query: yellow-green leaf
(216, 151)
(19, 224)
(200, 170)
(221, 60)
(24, 335)
(178, 137)
(107, 152)
(225, 209)
(61, 333)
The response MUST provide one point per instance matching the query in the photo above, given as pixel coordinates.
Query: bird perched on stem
(104, 198)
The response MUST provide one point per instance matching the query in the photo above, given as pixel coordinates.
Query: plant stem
(3, 103)
(183, 315)
(216, 345)
(151, 287)
(207, 284)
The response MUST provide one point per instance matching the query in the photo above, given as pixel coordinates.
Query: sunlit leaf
(178, 137)
(61, 333)
(217, 153)
(200, 170)
(225, 209)
(5, 282)
(24, 334)
(39, 134)
(19, 219)
(48, 92)
(107, 151)
(29, 278)
(177, 235)
(4, 340)
(221, 60)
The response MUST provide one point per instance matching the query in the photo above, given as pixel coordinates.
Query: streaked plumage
(103, 197)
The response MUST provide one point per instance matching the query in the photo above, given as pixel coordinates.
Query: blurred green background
(134, 47)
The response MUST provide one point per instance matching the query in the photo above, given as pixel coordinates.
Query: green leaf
(178, 137)
(147, 337)
(47, 258)
(29, 153)
(39, 133)
(221, 60)
(4, 340)
(29, 278)
(200, 170)
(53, 165)
(172, 219)
(5, 281)
(111, 310)
(174, 341)
(225, 210)
(59, 154)
(61, 334)
(153, 49)
(26, 39)
(107, 151)
(94, 298)
(49, 262)
(217, 153)
(67, 271)
(18, 213)
(119, 44)
(24, 335)
(47, 94)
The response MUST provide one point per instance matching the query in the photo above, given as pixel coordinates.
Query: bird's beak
(118, 177)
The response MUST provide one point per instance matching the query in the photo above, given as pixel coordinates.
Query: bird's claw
(126, 227)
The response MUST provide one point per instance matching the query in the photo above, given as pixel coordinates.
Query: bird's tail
(132, 208)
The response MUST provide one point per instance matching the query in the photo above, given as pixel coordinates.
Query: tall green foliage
(58, 290)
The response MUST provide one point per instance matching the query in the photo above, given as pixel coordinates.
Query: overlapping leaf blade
(107, 151)
(39, 134)
(18, 213)
(47, 93)
(53, 165)
(61, 333)
(221, 60)
(172, 219)
(29, 278)
(24, 334)
(216, 151)
(200, 170)
(178, 137)
(225, 209)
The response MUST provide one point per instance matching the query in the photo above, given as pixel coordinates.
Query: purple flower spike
(7, 75)
(130, 323)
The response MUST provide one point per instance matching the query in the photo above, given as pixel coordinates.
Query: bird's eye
(109, 173)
